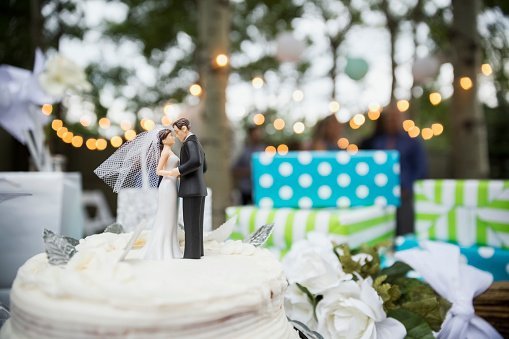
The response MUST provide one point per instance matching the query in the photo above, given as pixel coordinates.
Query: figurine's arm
(195, 159)
(162, 163)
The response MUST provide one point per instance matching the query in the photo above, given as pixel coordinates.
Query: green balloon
(356, 68)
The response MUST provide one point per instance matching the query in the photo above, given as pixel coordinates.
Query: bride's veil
(134, 164)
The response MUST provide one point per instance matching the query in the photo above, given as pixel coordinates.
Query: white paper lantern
(289, 49)
(425, 69)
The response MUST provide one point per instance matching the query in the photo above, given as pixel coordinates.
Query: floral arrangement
(341, 293)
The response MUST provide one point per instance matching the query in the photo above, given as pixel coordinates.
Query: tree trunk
(469, 139)
(213, 39)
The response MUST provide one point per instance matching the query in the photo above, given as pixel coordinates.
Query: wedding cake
(235, 291)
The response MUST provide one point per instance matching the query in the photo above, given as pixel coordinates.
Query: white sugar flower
(62, 74)
(354, 310)
(298, 307)
(313, 264)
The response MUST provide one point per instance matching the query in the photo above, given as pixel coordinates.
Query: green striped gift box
(468, 212)
(355, 226)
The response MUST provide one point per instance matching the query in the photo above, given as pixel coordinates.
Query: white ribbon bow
(440, 265)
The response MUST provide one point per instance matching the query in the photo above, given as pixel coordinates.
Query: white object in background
(135, 205)
(441, 266)
(103, 216)
(48, 200)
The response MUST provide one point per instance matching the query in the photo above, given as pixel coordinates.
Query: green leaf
(397, 270)
(416, 327)
(419, 298)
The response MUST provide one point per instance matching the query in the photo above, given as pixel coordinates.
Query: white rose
(62, 74)
(354, 310)
(298, 307)
(313, 264)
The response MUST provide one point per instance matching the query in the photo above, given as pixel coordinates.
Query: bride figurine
(140, 163)
(163, 242)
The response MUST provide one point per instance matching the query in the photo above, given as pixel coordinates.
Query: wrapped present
(467, 212)
(489, 259)
(326, 179)
(355, 226)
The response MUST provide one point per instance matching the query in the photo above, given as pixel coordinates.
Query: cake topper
(59, 249)
(260, 236)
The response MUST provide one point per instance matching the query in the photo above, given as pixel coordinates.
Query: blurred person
(241, 169)
(390, 135)
(326, 134)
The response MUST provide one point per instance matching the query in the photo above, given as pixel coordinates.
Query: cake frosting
(235, 291)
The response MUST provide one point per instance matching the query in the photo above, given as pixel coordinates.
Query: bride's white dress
(163, 242)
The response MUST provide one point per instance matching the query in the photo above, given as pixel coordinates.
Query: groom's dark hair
(181, 123)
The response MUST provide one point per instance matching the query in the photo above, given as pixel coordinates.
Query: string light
(104, 123)
(165, 121)
(408, 124)
(67, 137)
(195, 90)
(435, 98)
(101, 144)
(353, 125)
(47, 109)
(359, 119)
(77, 141)
(486, 69)
(221, 60)
(149, 125)
(437, 129)
(343, 143)
(403, 105)
(130, 134)
(259, 119)
(373, 115)
(282, 149)
(91, 144)
(298, 95)
(466, 83)
(61, 131)
(414, 132)
(270, 149)
(299, 127)
(334, 106)
(427, 133)
(352, 148)
(257, 82)
(85, 121)
(116, 141)
(279, 124)
(56, 124)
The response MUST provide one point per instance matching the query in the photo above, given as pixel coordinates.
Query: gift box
(489, 259)
(29, 203)
(355, 226)
(326, 179)
(467, 212)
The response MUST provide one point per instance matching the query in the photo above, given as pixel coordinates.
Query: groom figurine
(192, 187)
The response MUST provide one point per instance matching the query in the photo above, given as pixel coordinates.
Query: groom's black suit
(193, 192)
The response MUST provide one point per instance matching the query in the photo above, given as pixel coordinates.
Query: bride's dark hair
(162, 135)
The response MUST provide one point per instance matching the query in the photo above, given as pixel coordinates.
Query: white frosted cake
(235, 291)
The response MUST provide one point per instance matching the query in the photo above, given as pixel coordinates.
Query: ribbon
(441, 267)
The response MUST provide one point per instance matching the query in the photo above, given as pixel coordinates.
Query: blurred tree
(469, 142)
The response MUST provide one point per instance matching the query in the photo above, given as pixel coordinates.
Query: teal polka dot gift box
(319, 179)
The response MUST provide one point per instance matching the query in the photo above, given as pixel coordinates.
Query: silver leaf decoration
(59, 248)
(260, 236)
(302, 328)
(114, 228)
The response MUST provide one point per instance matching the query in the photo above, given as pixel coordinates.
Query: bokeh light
(130, 134)
(91, 144)
(116, 141)
(466, 83)
(77, 141)
(270, 149)
(403, 105)
(282, 149)
(298, 95)
(279, 124)
(435, 98)
(104, 123)
(299, 127)
(195, 90)
(101, 144)
(437, 129)
(343, 143)
(257, 82)
(359, 119)
(427, 133)
(259, 119)
(221, 60)
(47, 109)
(408, 124)
(414, 132)
(486, 69)
(334, 106)
(56, 124)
